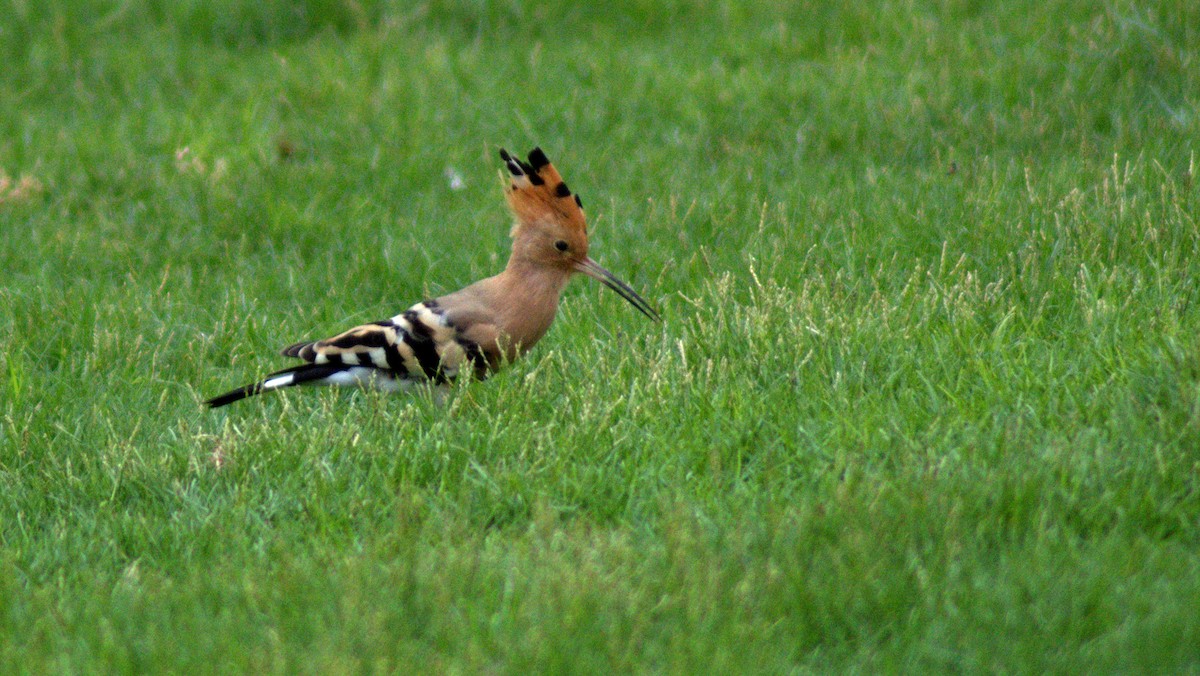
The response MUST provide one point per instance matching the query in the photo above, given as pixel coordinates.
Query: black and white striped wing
(417, 344)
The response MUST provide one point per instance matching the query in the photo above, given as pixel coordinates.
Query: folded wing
(419, 343)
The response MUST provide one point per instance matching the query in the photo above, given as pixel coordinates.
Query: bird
(478, 328)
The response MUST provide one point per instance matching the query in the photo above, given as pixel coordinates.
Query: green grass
(926, 395)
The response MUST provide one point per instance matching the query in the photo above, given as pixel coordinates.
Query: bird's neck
(527, 297)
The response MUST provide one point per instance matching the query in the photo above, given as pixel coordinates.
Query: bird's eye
(561, 245)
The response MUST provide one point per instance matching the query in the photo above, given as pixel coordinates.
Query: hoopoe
(480, 327)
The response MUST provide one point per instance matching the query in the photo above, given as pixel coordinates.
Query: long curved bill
(592, 269)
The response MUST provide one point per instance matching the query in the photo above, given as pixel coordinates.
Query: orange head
(550, 229)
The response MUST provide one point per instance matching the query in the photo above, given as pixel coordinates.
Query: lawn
(925, 396)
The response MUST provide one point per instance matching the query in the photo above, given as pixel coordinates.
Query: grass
(926, 395)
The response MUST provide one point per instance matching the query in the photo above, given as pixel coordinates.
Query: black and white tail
(305, 374)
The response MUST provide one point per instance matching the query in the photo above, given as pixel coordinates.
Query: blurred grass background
(926, 395)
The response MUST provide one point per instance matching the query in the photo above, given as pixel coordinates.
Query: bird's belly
(366, 378)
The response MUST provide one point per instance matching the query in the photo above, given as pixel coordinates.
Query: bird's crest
(537, 194)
